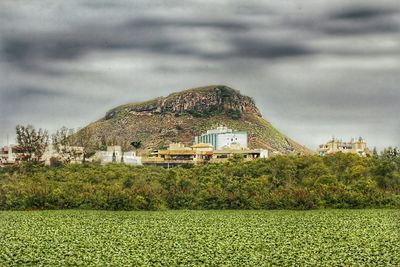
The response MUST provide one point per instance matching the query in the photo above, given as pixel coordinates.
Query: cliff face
(181, 116)
(208, 100)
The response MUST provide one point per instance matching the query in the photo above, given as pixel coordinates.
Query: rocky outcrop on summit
(181, 116)
(212, 100)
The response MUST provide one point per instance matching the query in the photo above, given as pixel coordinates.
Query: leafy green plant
(198, 238)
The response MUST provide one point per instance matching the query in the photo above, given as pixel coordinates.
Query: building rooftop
(220, 129)
(202, 145)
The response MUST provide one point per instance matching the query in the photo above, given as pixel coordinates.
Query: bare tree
(32, 142)
(63, 141)
(85, 139)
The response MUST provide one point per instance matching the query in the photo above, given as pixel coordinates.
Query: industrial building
(222, 137)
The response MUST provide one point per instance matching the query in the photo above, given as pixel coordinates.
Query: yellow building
(178, 154)
(358, 146)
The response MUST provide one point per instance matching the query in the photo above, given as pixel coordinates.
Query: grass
(200, 238)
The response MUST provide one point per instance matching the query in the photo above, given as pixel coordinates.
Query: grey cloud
(57, 46)
(356, 20)
(48, 108)
(363, 20)
(233, 33)
(29, 51)
(304, 63)
(362, 13)
(157, 23)
(151, 34)
(30, 93)
(361, 27)
(103, 5)
(268, 49)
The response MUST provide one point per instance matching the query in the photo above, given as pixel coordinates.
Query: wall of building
(227, 139)
(222, 137)
(131, 158)
(114, 154)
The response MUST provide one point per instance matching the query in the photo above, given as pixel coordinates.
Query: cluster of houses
(215, 145)
(354, 146)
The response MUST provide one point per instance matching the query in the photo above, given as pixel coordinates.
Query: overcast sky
(316, 69)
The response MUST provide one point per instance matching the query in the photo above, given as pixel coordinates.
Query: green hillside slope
(181, 116)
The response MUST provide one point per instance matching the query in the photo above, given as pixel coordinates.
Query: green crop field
(200, 238)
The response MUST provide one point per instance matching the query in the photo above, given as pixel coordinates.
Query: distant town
(215, 145)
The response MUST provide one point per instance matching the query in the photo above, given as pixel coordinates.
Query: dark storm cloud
(362, 13)
(158, 23)
(363, 20)
(354, 20)
(145, 34)
(349, 27)
(149, 34)
(268, 49)
(24, 50)
(68, 46)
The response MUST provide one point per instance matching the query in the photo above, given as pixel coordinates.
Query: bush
(279, 182)
(234, 114)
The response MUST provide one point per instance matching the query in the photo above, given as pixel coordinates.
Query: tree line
(279, 182)
(32, 143)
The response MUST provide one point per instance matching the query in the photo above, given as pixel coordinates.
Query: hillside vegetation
(280, 182)
(181, 116)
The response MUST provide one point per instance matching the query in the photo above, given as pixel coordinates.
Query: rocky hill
(181, 116)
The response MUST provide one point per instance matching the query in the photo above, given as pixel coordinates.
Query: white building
(222, 138)
(355, 146)
(115, 154)
(7, 155)
(264, 153)
(131, 158)
(112, 154)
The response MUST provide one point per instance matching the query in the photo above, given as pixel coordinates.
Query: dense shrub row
(280, 182)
